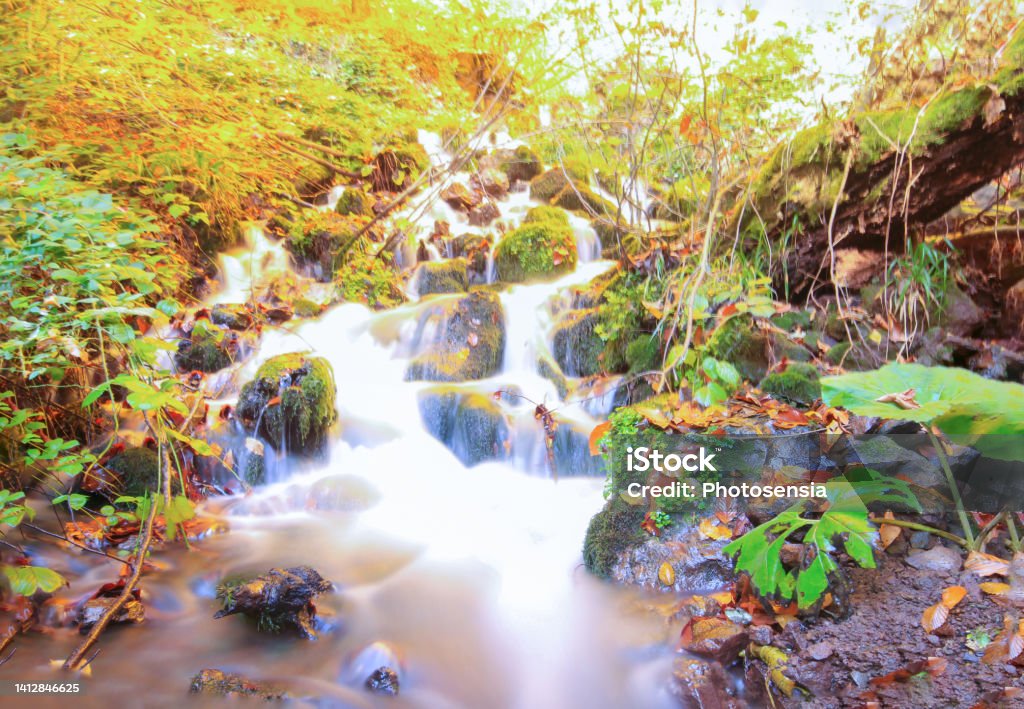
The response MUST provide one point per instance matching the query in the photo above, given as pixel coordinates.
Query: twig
(917, 527)
(74, 544)
(74, 661)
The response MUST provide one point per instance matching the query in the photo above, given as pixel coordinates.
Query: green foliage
(843, 521)
(797, 383)
(917, 283)
(368, 279)
(536, 251)
(26, 580)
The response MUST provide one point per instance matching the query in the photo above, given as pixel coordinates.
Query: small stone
(920, 540)
(761, 634)
(821, 651)
(383, 680)
(860, 679)
(719, 639)
(698, 684)
(223, 684)
(938, 558)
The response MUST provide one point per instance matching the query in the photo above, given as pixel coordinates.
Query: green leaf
(26, 580)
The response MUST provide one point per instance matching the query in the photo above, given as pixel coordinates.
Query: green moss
(412, 158)
(740, 343)
(355, 201)
(362, 277)
(548, 184)
(578, 197)
(290, 402)
(576, 346)
(523, 164)
(797, 383)
(305, 308)
(471, 425)
(205, 352)
(318, 241)
(548, 368)
(449, 276)
(138, 470)
(473, 342)
(530, 252)
(611, 532)
(643, 354)
(545, 213)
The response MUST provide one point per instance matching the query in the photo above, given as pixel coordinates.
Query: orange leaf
(934, 617)
(986, 564)
(952, 596)
(995, 589)
(724, 598)
(888, 533)
(718, 532)
(596, 435)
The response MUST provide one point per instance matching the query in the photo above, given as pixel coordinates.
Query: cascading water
(473, 575)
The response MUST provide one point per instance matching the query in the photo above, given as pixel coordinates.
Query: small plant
(661, 519)
(818, 529)
(916, 285)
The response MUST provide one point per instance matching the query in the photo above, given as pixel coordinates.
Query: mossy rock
(138, 470)
(643, 354)
(520, 164)
(471, 340)
(450, 276)
(575, 344)
(365, 278)
(546, 213)
(355, 201)
(203, 353)
(610, 233)
(611, 532)
(740, 342)
(536, 251)
(476, 250)
(576, 196)
(290, 403)
(215, 683)
(317, 241)
(547, 185)
(232, 316)
(471, 425)
(306, 308)
(548, 368)
(797, 383)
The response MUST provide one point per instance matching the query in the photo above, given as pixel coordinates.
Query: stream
(472, 576)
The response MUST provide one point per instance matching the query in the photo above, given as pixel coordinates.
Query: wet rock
(355, 201)
(137, 471)
(698, 684)
(471, 425)
(1015, 306)
(377, 667)
(920, 540)
(576, 345)
(383, 680)
(939, 558)
(290, 403)
(222, 684)
(698, 563)
(761, 634)
(232, 316)
(484, 214)
(279, 313)
(469, 342)
(577, 197)
(547, 185)
(476, 250)
(317, 240)
(610, 534)
(281, 598)
(520, 164)
(206, 351)
(819, 651)
(449, 276)
(797, 383)
(491, 182)
(90, 612)
(305, 308)
(716, 638)
(535, 251)
(959, 314)
(460, 197)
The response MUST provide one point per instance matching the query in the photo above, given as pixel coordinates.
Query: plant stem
(979, 541)
(1011, 526)
(918, 527)
(961, 511)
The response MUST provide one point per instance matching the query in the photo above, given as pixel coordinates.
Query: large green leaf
(26, 580)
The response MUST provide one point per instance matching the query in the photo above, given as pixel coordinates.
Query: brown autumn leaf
(888, 533)
(904, 399)
(1008, 645)
(994, 588)
(986, 564)
(934, 666)
(710, 530)
(596, 435)
(934, 617)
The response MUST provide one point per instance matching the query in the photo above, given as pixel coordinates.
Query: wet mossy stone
(355, 201)
(276, 600)
(471, 425)
(797, 383)
(520, 164)
(643, 354)
(546, 213)
(470, 343)
(290, 403)
(233, 316)
(547, 185)
(548, 368)
(577, 197)
(449, 276)
(740, 342)
(204, 352)
(576, 345)
(317, 239)
(138, 469)
(611, 532)
(305, 308)
(536, 251)
(216, 683)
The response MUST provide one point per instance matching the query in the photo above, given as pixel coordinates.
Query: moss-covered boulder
(471, 425)
(367, 278)
(546, 213)
(643, 354)
(520, 164)
(548, 184)
(576, 345)
(536, 251)
(355, 201)
(319, 241)
(450, 276)
(491, 182)
(306, 308)
(469, 343)
(458, 196)
(576, 196)
(797, 383)
(206, 350)
(611, 533)
(476, 249)
(290, 403)
(137, 470)
(233, 316)
(740, 342)
(277, 600)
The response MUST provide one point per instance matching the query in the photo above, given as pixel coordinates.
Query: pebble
(821, 651)
(938, 558)
(920, 540)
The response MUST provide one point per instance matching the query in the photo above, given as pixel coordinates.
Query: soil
(883, 634)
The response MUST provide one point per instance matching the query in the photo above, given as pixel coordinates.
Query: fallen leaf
(986, 564)
(1008, 645)
(666, 574)
(994, 588)
(888, 533)
(952, 596)
(934, 666)
(710, 530)
(596, 435)
(903, 399)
